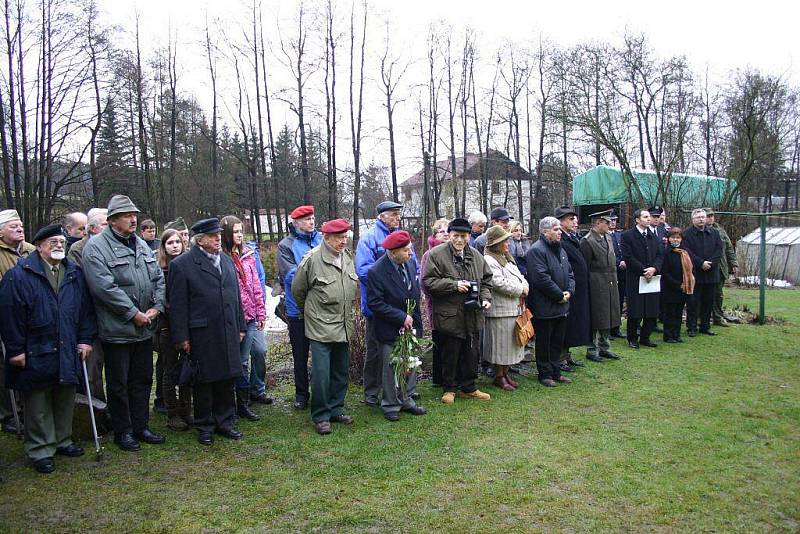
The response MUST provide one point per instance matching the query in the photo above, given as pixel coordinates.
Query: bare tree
(356, 109)
(391, 73)
(330, 110)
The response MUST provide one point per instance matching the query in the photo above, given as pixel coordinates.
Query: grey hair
(547, 223)
(69, 218)
(476, 217)
(698, 211)
(94, 217)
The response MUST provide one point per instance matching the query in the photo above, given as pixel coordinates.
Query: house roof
(775, 236)
(463, 165)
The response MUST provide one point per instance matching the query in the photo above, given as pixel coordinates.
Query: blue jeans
(258, 364)
(252, 342)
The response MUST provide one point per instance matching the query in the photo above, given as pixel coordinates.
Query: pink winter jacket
(250, 288)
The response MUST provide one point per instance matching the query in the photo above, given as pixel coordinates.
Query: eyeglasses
(53, 243)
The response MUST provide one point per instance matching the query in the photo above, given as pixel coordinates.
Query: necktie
(403, 273)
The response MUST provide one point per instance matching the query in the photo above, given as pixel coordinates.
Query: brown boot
(507, 375)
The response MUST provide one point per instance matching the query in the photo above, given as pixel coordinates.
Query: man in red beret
(291, 250)
(391, 283)
(324, 287)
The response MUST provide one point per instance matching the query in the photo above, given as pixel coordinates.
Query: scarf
(237, 262)
(687, 286)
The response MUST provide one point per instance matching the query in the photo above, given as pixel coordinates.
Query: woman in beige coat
(509, 289)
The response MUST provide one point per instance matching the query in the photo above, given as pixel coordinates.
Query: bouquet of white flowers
(405, 356)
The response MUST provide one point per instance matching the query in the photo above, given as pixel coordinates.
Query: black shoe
(708, 332)
(633, 344)
(231, 433)
(670, 341)
(594, 358)
(205, 438)
(262, 399)
(127, 442)
(71, 450)
(691, 333)
(566, 368)
(573, 363)
(393, 417)
(44, 465)
(300, 404)
(150, 437)
(648, 343)
(489, 371)
(10, 427)
(414, 410)
(617, 335)
(372, 403)
(246, 413)
(610, 355)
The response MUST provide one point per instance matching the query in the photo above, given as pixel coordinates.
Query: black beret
(48, 231)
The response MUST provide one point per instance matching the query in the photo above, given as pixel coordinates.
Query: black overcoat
(549, 275)
(579, 329)
(705, 245)
(672, 277)
(640, 253)
(205, 308)
(387, 295)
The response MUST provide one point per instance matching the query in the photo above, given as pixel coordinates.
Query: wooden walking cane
(98, 450)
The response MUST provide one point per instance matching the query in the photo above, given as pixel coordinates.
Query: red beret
(302, 211)
(397, 239)
(336, 226)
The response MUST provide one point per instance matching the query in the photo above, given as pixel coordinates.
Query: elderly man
(579, 330)
(616, 236)
(74, 227)
(705, 244)
(391, 283)
(498, 217)
(369, 251)
(291, 250)
(324, 287)
(460, 284)
(598, 250)
(551, 288)
(39, 301)
(728, 265)
(477, 222)
(207, 323)
(179, 225)
(643, 254)
(128, 290)
(13, 248)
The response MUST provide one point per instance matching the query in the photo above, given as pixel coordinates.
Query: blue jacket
(291, 250)
(45, 326)
(368, 251)
(262, 276)
(387, 296)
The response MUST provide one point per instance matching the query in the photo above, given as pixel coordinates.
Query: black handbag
(186, 370)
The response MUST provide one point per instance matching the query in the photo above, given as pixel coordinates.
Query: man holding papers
(643, 254)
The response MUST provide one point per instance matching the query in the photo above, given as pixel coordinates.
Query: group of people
(93, 291)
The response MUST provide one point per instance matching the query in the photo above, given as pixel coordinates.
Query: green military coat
(604, 297)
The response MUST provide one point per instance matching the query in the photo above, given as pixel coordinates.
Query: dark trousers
(459, 363)
(641, 326)
(214, 405)
(373, 377)
(177, 399)
(300, 349)
(699, 307)
(549, 342)
(672, 313)
(129, 378)
(6, 414)
(159, 398)
(621, 292)
(330, 365)
(94, 364)
(436, 365)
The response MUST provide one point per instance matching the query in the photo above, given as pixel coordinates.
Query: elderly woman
(177, 399)
(518, 246)
(206, 321)
(439, 236)
(508, 288)
(255, 313)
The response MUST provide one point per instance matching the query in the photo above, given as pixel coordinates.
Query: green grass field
(702, 437)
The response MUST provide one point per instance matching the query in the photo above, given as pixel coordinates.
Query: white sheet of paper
(653, 286)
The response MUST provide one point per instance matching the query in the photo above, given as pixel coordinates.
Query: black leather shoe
(231, 433)
(633, 344)
(415, 410)
(344, 419)
(648, 343)
(573, 363)
(708, 332)
(44, 465)
(566, 368)
(246, 413)
(371, 402)
(10, 427)
(610, 355)
(594, 358)
(691, 333)
(150, 437)
(393, 417)
(127, 442)
(300, 405)
(670, 341)
(262, 399)
(71, 450)
(205, 438)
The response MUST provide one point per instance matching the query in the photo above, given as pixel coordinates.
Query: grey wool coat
(604, 297)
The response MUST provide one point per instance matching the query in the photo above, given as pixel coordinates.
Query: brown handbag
(523, 327)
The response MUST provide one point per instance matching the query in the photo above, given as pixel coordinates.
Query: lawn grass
(700, 437)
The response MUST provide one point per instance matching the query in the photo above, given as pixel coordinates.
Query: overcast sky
(720, 36)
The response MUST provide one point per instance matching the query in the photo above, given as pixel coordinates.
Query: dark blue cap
(388, 205)
(206, 226)
(500, 214)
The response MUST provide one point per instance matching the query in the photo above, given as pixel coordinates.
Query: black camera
(473, 301)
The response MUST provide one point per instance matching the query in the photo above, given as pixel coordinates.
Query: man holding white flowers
(391, 283)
